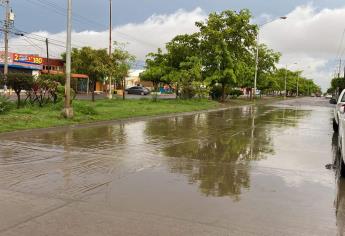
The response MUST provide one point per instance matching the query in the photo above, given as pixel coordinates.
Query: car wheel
(335, 126)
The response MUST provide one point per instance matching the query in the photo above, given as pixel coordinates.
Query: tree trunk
(176, 92)
(124, 90)
(223, 92)
(18, 99)
(93, 91)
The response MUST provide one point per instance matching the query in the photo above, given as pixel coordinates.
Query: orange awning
(79, 76)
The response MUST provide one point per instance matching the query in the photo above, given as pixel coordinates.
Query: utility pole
(68, 110)
(6, 32)
(297, 83)
(256, 64)
(286, 70)
(47, 46)
(110, 96)
(257, 51)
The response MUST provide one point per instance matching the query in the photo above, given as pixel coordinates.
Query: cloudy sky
(311, 36)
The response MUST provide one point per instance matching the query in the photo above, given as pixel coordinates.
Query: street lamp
(257, 51)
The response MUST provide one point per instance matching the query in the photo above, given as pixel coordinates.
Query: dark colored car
(139, 90)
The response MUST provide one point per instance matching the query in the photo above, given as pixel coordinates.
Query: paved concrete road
(245, 171)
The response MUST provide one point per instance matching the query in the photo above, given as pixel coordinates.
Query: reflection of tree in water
(215, 149)
(89, 138)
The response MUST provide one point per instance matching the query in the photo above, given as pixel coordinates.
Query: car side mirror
(333, 101)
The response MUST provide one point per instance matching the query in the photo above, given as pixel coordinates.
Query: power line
(82, 20)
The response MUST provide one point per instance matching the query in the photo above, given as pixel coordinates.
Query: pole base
(110, 96)
(67, 112)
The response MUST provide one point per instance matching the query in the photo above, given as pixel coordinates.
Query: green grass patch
(30, 117)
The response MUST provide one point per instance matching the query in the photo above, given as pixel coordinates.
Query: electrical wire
(82, 19)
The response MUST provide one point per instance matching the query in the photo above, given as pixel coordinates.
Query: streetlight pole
(257, 52)
(68, 110)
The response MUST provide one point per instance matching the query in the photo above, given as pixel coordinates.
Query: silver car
(338, 110)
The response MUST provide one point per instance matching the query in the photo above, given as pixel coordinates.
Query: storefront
(22, 63)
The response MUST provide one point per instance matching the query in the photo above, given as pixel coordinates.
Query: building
(36, 65)
(133, 79)
(22, 63)
(80, 82)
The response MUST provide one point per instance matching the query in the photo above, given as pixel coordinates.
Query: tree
(227, 42)
(92, 62)
(156, 68)
(19, 82)
(266, 67)
(118, 64)
(337, 85)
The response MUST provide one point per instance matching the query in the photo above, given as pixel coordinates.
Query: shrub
(216, 92)
(187, 92)
(5, 104)
(85, 109)
(19, 82)
(234, 93)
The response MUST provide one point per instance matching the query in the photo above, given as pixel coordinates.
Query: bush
(234, 93)
(187, 92)
(5, 104)
(216, 92)
(85, 109)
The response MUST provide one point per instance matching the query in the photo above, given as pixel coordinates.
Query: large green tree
(92, 62)
(227, 42)
(156, 68)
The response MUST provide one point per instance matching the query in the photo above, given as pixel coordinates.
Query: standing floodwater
(244, 171)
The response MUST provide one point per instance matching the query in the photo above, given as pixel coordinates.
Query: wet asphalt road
(254, 170)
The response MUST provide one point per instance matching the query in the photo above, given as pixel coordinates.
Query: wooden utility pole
(68, 110)
(110, 95)
(6, 31)
(47, 46)
(285, 84)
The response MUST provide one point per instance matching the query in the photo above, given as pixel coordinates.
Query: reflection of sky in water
(237, 165)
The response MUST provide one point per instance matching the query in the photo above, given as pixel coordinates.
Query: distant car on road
(338, 110)
(138, 90)
(328, 96)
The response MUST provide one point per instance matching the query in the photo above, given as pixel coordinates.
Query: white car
(339, 125)
(338, 110)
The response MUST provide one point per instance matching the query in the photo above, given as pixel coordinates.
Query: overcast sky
(310, 36)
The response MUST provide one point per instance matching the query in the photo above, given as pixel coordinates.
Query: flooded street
(253, 170)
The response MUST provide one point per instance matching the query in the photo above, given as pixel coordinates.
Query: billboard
(24, 61)
(27, 59)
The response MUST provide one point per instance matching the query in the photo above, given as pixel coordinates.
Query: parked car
(338, 110)
(139, 90)
(341, 138)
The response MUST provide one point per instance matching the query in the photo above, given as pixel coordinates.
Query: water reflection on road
(223, 143)
(249, 170)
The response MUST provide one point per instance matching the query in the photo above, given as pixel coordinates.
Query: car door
(141, 90)
(132, 90)
(339, 106)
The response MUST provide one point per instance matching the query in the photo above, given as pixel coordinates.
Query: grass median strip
(31, 117)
